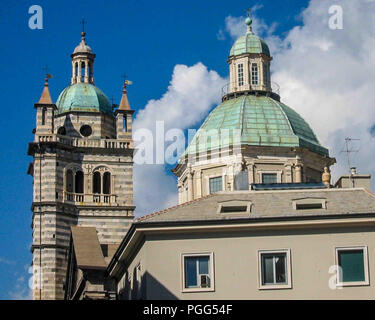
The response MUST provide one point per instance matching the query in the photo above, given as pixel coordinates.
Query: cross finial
(48, 76)
(83, 24)
(248, 12)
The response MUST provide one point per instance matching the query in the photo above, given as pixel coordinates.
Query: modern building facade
(82, 171)
(258, 244)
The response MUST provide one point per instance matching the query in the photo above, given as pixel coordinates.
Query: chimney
(354, 180)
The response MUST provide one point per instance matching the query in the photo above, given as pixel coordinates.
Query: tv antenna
(348, 150)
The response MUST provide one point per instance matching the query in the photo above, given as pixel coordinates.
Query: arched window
(44, 116)
(96, 182)
(124, 125)
(107, 183)
(82, 71)
(79, 182)
(254, 74)
(76, 67)
(69, 181)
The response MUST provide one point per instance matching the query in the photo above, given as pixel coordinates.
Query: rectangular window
(198, 272)
(268, 178)
(353, 268)
(216, 184)
(265, 74)
(274, 269)
(240, 75)
(254, 74)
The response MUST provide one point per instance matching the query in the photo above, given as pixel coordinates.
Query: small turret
(124, 115)
(249, 65)
(83, 62)
(45, 109)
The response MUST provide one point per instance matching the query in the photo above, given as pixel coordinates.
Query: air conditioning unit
(205, 281)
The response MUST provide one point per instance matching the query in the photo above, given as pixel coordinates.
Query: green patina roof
(83, 97)
(249, 43)
(261, 121)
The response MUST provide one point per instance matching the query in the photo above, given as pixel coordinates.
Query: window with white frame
(274, 269)
(216, 184)
(254, 74)
(353, 266)
(198, 272)
(240, 75)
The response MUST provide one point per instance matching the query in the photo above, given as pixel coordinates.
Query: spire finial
(45, 98)
(124, 103)
(248, 21)
(83, 33)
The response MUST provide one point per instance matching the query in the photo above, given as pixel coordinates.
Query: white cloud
(328, 76)
(7, 261)
(21, 290)
(190, 95)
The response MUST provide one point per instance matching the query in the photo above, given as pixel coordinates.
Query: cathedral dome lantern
(82, 95)
(82, 62)
(249, 65)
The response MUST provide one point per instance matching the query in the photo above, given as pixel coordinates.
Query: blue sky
(145, 39)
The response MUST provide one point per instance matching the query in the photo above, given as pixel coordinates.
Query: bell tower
(82, 172)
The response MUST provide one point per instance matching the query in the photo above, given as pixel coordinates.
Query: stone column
(230, 178)
(190, 184)
(73, 73)
(298, 173)
(198, 182)
(179, 188)
(86, 72)
(288, 173)
(250, 171)
(79, 71)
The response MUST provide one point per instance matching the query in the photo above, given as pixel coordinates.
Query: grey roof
(268, 204)
(87, 248)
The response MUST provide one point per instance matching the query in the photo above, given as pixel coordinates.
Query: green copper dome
(83, 97)
(261, 120)
(249, 43)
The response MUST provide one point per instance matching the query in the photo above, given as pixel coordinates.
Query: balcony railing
(89, 198)
(231, 87)
(85, 143)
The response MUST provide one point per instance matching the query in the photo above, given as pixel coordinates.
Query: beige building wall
(236, 263)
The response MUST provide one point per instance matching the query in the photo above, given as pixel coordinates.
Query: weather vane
(48, 76)
(126, 82)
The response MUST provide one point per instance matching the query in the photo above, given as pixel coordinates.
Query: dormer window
(254, 74)
(309, 204)
(240, 75)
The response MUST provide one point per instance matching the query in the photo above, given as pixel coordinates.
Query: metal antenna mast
(348, 151)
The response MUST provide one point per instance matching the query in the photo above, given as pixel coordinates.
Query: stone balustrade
(85, 143)
(95, 198)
